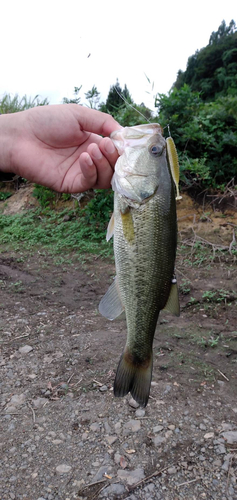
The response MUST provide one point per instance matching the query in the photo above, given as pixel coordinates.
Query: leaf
(123, 463)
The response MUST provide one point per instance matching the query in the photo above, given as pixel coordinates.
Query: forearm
(7, 138)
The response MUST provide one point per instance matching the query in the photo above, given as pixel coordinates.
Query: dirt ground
(64, 435)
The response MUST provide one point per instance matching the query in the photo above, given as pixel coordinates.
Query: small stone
(17, 400)
(111, 439)
(230, 437)
(95, 427)
(56, 441)
(171, 427)
(131, 477)
(133, 403)
(117, 427)
(172, 470)
(158, 440)
(133, 425)
(158, 428)
(209, 435)
(140, 413)
(103, 388)
(117, 458)
(39, 402)
(63, 469)
(100, 473)
(114, 489)
(220, 450)
(25, 349)
(202, 427)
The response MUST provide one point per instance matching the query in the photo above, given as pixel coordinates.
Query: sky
(49, 47)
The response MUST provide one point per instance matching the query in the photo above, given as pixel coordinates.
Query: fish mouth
(134, 136)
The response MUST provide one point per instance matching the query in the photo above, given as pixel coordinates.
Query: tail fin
(134, 376)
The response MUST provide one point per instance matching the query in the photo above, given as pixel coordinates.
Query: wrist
(7, 133)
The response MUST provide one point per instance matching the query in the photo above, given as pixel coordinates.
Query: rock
(100, 473)
(172, 470)
(17, 400)
(114, 489)
(63, 469)
(133, 425)
(209, 435)
(131, 477)
(103, 388)
(220, 450)
(39, 402)
(133, 403)
(111, 439)
(158, 428)
(107, 428)
(230, 437)
(95, 427)
(25, 349)
(140, 413)
(202, 427)
(158, 440)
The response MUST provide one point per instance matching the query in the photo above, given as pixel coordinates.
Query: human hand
(59, 146)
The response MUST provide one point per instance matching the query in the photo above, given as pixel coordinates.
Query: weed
(4, 195)
(44, 195)
(184, 287)
(219, 296)
(48, 229)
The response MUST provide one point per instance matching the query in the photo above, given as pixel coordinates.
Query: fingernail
(89, 160)
(96, 153)
(109, 147)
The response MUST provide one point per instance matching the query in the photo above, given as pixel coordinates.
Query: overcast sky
(45, 45)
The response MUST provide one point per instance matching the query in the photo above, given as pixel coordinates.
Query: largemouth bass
(145, 237)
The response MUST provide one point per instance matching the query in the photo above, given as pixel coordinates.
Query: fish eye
(156, 150)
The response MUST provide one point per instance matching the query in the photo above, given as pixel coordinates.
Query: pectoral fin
(111, 305)
(172, 304)
(110, 229)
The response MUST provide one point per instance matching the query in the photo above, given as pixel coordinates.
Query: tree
(76, 99)
(213, 69)
(93, 97)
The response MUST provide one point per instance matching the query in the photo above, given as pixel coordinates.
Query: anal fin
(111, 305)
(172, 304)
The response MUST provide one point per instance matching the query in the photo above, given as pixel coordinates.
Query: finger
(108, 150)
(104, 168)
(89, 172)
(94, 121)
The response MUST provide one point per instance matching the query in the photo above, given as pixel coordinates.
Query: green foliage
(4, 195)
(93, 97)
(12, 104)
(213, 69)
(76, 99)
(44, 195)
(205, 135)
(114, 101)
(48, 229)
(98, 210)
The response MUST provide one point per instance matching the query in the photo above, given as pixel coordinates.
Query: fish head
(143, 156)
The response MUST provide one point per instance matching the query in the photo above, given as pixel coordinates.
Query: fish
(144, 228)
